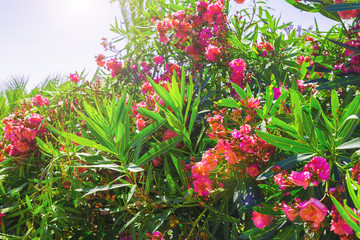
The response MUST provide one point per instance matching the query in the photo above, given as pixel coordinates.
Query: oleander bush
(214, 121)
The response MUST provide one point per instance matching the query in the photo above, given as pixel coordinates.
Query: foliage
(205, 125)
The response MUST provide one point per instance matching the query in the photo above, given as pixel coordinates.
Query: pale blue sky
(46, 37)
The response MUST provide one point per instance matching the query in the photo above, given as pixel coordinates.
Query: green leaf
(134, 168)
(128, 223)
(239, 91)
(179, 170)
(159, 149)
(284, 165)
(343, 82)
(342, 7)
(283, 97)
(165, 95)
(228, 103)
(354, 143)
(101, 189)
(285, 143)
(80, 140)
(146, 132)
(147, 113)
(351, 190)
(28, 203)
(335, 106)
(263, 233)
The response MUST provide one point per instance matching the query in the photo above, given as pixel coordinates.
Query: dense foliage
(206, 125)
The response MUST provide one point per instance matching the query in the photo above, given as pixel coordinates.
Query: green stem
(196, 223)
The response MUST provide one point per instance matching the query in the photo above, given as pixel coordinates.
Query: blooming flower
(75, 77)
(202, 186)
(253, 103)
(320, 167)
(313, 211)
(40, 100)
(212, 52)
(300, 178)
(261, 220)
(158, 60)
(253, 170)
(291, 213)
(114, 66)
(100, 60)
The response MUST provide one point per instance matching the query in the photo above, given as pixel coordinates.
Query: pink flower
(114, 66)
(40, 100)
(35, 119)
(339, 225)
(200, 170)
(1, 216)
(248, 144)
(21, 146)
(168, 134)
(253, 103)
(210, 160)
(253, 170)
(245, 129)
(300, 83)
(222, 145)
(261, 220)
(319, 167)
(291, 213)
(313, 211)
(158, 60)
(300, 178)
(238, 65)
(236, 134)
(277, 92)
(279, 180)
(202, 186)
(348, 14)
(75, 78)
(230, 156)
(239, 1)
(212, 52)
(140, 124)
(29, 134)
(156, 162)
(100, 60)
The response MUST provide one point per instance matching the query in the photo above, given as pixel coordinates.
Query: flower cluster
(264, 47)
(312, 212)
(316, 171)
(237, 151)
(39, 100)
(238, 67)
(75, 77)
(207, 27)
(21, 132)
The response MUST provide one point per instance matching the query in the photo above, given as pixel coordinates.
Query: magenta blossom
(261, 220)
(212, 52)
(158, 60)
(319, 167)
(75, 78)
(40, 100)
